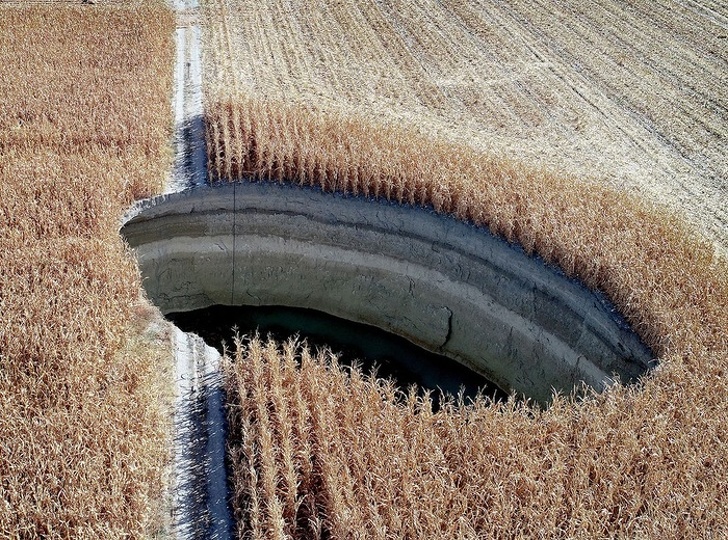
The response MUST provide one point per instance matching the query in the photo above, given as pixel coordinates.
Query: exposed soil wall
(447, 286)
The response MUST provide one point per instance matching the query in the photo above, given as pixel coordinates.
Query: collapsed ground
(420, 103)
(81, 423)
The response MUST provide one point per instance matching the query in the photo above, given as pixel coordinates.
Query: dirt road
(199, 480)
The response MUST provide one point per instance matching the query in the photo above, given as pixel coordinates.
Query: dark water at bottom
(394, 357)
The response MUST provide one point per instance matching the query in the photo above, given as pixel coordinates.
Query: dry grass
(85, 120)
(322, 454)
(611, 241)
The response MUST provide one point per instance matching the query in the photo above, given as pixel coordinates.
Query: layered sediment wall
(445, 285)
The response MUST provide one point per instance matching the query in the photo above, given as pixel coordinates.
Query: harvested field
(558, 127)
(630, 94)
(84, 129)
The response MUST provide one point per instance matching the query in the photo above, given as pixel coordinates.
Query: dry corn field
(84, 127)
(563, 127)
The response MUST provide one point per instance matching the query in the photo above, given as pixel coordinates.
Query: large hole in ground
(371, 348)
(443, 285)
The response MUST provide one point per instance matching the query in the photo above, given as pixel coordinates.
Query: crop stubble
(631, 94)
(523, 117)
(84, 95)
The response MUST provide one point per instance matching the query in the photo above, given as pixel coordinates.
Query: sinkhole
(370, 348)
(445, 286)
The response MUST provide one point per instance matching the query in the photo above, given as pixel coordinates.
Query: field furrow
(666, 126)
(686, 85)
(715, 12)
(680, 107)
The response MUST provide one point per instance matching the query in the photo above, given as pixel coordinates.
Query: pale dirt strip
(632, 94)
(199, 486)
(189, 139)
(200, 480)
(90, 4)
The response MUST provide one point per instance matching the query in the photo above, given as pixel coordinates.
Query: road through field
(631, 94)
(199, 484)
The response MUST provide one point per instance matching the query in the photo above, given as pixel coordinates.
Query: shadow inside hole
(370, 347)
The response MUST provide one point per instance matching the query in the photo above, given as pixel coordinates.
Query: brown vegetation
(85, 121)
(635, 462)
(319, 453)
(609, 240)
